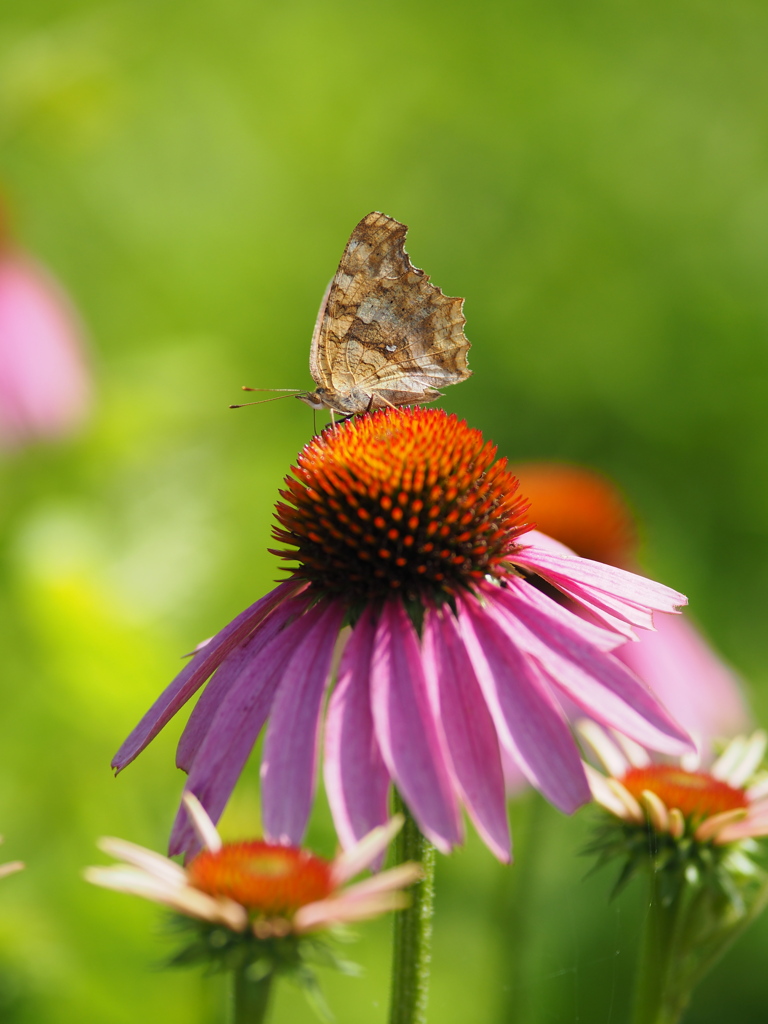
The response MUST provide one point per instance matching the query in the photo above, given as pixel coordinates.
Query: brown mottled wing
(382, 326)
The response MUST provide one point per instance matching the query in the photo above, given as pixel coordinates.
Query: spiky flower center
(698, 795)
(403, 500)
(266, 878)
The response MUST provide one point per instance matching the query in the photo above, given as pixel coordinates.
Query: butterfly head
(348, 403)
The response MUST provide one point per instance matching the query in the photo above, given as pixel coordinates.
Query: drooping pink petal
(559, 616)
(406, 731)
(610, 611)
(236, 726)
(471, 741)
(204, 662)
(356, 779)
(598, 683)
(226, 675)
(289, 761)
(742, 830)
(622, 593)
(346, 909)
(528, 719)
(697, 687)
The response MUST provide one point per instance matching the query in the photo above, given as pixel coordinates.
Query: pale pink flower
(723, 804)
(406, 529)
(271, 888)
(45, 387)
(586, 512)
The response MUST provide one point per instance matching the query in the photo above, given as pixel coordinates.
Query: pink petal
(194, 674)
(528, 719)
(460, 710)
(289, 761)
(342, 909)
(356, 779)
(365, 852)
(558, 615)
(612, 612)
(236, 726)
(225, 676)
(699, 689)
(537, 539)
(598, 683)
(406, 731)
(623, 593)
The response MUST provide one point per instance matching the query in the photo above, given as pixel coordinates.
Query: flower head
(693, 834)
(583, 509)
(266, 889)
(410, 504)
(721, 805)
(409, 533)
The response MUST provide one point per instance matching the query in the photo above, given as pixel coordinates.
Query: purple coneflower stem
(413, 927)
(250, 996)
(659, 996)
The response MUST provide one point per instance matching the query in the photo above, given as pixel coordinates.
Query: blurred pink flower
(45, 386)
(585, 511)
(397, 518)
(692, 682)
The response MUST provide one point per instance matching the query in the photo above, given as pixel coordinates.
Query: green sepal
(294, 957)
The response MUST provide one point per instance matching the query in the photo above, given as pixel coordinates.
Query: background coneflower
(587, 512)
(692, 832)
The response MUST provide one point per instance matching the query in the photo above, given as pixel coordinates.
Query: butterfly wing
(383, 329)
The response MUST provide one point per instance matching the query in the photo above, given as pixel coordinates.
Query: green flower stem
(657, 1000)
(729, 935)
(413, 928)
(250, 997)
(684, 937)
(515, 905)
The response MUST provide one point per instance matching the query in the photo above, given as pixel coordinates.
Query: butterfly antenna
(246, 388)
(262, 401)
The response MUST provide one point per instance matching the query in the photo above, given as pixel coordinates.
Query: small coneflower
(723, 804)
(694, 835)
(258, 909)
(409, 531)
(267, 889)
(585, 511)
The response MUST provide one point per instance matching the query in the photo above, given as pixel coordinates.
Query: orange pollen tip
(697, 795)
(266, 878)
(412, 475)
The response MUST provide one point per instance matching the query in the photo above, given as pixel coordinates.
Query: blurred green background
(593, 177)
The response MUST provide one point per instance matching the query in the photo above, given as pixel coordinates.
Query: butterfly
(384, 335)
